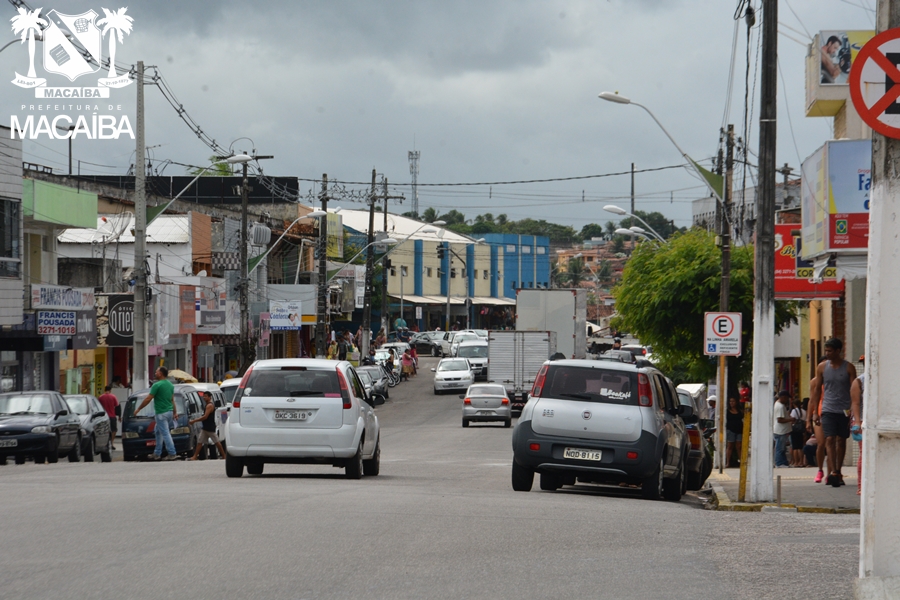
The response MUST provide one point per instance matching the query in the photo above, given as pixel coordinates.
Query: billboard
(837, 51)
(284, 315)
(56, 322)
(836, 180)
(115, 320)
(335, 236)
(793, 275)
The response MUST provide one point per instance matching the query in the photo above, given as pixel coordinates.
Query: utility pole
(879, 570)
(322, 250)
(139, 376)
(244, 283)
(725, 284)
(370, 263)
(385, 305)
(761, 488)
(633, 236)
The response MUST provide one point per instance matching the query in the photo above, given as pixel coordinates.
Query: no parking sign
(723, 334)
(875, 83)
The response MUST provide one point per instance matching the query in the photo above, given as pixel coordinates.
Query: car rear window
(591, 385)
(292, 381)
(229, 392)
(487, 390)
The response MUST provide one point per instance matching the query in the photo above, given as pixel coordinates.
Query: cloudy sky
(487, 91)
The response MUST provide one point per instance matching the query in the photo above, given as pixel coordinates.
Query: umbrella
(182, 376)
(232, 373)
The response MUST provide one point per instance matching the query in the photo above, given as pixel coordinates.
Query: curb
(721, 501)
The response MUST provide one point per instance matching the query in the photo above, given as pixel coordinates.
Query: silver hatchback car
(486, 402)
(303, 411)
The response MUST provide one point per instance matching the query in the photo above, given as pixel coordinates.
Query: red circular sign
(870, 105)
(723, 326)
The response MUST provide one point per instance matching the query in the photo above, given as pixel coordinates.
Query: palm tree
(118, 21)
(575, 272)
(28, 24)
(429, 215)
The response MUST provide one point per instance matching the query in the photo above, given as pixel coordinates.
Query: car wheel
(20, 460)
(652, 485)
(436, 392)
(106, 454)
(434, 352)
(89, 449)
(522, 477)
(255, 467)
(465, 422)
(372, 466)
(234, 466)
(550, 482)
(672, 487)
(354, 467)
(507, 423)
(75, 453)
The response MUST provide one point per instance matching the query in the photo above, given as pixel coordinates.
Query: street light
(617, 99)
(612, 208)
(623, 231)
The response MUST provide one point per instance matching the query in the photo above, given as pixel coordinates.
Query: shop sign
(85, 330)
(56, 322)
(61, 297)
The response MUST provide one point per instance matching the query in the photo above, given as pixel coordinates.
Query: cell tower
(414, 172)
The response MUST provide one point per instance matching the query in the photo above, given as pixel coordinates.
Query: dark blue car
(138, 431)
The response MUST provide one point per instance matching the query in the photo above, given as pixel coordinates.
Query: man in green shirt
(162, 393)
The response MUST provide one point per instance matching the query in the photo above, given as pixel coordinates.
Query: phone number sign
(723, 334)
(56, 322)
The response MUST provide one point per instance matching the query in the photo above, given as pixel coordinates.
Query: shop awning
(413, 299)
(491, 301)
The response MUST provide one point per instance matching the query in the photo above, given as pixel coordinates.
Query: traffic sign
(722, 331)
(875, 83)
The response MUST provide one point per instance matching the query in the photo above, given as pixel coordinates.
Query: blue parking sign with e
(710, 347)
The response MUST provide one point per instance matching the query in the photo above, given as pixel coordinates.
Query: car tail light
(236, 402)
(645, 394)
(539, 381)
(694, 437)
(644, 351)
(345, 390)
(504, 401)
(534, 447)
(467, 401)
(631, 455)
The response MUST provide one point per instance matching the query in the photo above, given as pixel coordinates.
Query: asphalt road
(441, 521)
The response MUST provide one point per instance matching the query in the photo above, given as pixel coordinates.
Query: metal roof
(165, 229)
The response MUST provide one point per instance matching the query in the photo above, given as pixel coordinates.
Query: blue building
(518, 261)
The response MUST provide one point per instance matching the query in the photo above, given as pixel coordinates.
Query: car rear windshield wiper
(305, 393)
(578, 396)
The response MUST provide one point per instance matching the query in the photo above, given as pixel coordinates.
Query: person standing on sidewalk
(832, 390)
(734, 430)
(857, 394)
(110, 404)
(208, 431)
(782, 428)
(798, 431)
(162, 393)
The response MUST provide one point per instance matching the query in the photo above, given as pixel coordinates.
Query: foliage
(666, 289)
(592, 230)
(217, 170)
(656, 220)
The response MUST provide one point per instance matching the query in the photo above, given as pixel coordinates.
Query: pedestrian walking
(208, 428)
(415, 357)
(814, 428)
(857, 395)
(782, 428)
(734, 430)
(798, 434)
(406, 365)
(162, 393)
(110, 404)
(832, 390)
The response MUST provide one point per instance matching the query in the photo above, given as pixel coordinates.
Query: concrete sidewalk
(798, 491)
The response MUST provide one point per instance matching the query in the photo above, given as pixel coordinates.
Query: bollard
(779, 491)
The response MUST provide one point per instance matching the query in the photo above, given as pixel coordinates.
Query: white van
(477, 353)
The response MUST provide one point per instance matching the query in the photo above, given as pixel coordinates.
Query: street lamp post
(612, 208)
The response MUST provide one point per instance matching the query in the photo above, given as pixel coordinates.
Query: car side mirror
(433, 370)
(686, 411)
(690, 419)
(62, 413)
(462, 396)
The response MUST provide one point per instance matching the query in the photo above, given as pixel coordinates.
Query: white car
(453, 374)
(476, 352)
(302, 411)
(463, 336)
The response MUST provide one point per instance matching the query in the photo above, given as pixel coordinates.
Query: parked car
(38, 425)
(700, 460)
(382, 355)
(617, 355)
(221, 405)
(486, 402)
(464, 336)
(453, 374)
(476, 352)
(601, 422)
(379, 379)
(446, 342)
(427, 342)
(96, 435)
(138, 430)
(303, 411)
(636, 350)
(398, 347)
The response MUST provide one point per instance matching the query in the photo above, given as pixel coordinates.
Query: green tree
(656, 220)
(610, 229)
(501, 219)
(219, 170)
(618, 244)
(592, 230)
(575, 272)
(453, 217)
(666, 289)
(429, 215)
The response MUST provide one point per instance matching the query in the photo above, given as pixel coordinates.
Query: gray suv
(601, 422)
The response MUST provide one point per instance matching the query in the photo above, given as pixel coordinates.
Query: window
(393, 272)
(541, 250)
(428, 272)
(514, 284)
(453, 273)
(485, 275)
(9, 238)
(526, 249)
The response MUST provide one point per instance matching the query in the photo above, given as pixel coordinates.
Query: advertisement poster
(264, 329)
(61, 297)
(212, 307)
(335, 236)
(793, 275)
(838, 50)
(115, 320)
(187, 322)
(284, 315)
(85, 330)
(56, 322)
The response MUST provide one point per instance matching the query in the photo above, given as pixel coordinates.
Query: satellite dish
(111, 227)
(202, 273)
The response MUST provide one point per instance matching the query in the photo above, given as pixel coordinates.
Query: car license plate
(8, 443)
(151, 442)
(290, 415)
(581, 454)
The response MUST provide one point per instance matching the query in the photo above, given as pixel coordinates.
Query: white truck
(563, 311)
(514, 359)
